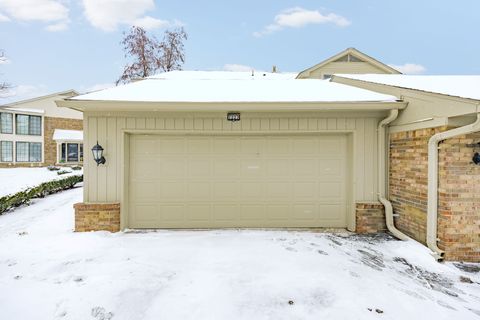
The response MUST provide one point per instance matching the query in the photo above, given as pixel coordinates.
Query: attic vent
(348, 58)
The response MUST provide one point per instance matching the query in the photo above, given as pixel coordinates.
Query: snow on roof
(24, 110)
(218, 86)
(223, 75)
(70, 135)
(458, 86)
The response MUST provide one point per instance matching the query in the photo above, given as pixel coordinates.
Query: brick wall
(408, 180)
(97, 217)
(51, 145)
(459, 199)
(370, 217)
(459, 195)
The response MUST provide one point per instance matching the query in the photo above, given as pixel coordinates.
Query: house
(35, 132)
(265, 150)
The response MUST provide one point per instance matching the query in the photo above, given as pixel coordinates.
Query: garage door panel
(171, 213)
(225, 146)
(145, 190)
(145, 212)
(171, 145)
(278, 212)
(308, 212)
(278, 190)
(169, 167)
(305, 191)
(225, 191)
(250, 212)
(200, 167)
(198, 212)
(199, 145)
(198, 191)
(330, 211)
(180, 181)
(277, 168)
(278, 145)
(172, 190)
(226, 213)
(252, 168)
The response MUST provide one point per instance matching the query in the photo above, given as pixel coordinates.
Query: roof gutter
(432, 205)
(382, 165)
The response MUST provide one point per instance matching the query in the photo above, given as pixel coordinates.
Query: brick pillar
(97, 217)
(370, 217)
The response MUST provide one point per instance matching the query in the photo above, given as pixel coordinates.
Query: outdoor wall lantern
(476, 155)
(233, 116)
(97, 151)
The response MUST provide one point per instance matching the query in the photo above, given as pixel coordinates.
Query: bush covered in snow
(40, 191)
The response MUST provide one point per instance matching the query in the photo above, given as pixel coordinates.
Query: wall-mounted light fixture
(233, 116)
(97, 151)
(476, 155)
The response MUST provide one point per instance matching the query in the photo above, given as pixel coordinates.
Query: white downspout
(381, 176)
(432, 205)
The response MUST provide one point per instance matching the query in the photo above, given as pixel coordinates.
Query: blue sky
(54, 45)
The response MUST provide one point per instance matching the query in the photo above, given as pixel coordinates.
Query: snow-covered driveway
(49, 272)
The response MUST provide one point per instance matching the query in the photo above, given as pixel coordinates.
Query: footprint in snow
(100, 313)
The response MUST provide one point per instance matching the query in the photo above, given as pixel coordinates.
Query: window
(29, 152)
(28, 125)
(71, 152)
(6, 122)
(22, 151)
(35, 152)
(327, 76)
(6, 151)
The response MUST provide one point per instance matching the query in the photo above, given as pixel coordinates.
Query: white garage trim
(127, 133)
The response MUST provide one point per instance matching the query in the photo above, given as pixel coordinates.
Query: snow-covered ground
(49, 272)
(13, 180)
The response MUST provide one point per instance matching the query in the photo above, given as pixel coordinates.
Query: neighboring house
(35, 132)
(227, 150)
(349, 61)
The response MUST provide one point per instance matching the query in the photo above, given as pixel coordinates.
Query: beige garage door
(231, 181)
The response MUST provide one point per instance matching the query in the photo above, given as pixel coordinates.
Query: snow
(70, 135)
(13, 180)
(49, 272)
(223, 75)
(458, 86)
(234, 90)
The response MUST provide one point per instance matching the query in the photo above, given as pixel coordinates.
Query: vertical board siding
(103, 183)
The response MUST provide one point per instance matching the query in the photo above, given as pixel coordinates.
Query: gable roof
(355, 53)
(240, 89)
(66, 93)
(458, 86)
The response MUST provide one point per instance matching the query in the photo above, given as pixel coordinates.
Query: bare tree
(3, 85)
(172, 48)
(149, 55)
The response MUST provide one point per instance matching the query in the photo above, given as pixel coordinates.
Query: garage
(237, 180)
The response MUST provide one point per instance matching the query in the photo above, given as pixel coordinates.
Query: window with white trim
(28, 151)
(6, 122)
(6, 151)
(71, 152)
(28, 125)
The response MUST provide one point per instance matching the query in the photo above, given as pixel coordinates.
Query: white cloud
(4, 18)
(298, 17)
(4, 60)
(108, 15)
(237, 67)
(47, 11)
(57, 27)
(410, 68)
(22, 92)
